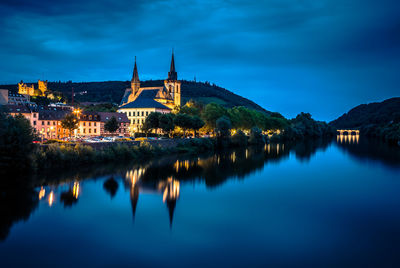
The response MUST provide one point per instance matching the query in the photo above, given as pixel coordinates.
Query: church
(138, 102)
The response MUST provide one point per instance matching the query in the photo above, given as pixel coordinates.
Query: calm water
(315, 204)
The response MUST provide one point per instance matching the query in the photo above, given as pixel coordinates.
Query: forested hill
(377, 113)
(379, 119)
(112, 91)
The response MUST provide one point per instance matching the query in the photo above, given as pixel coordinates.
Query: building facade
(30, 90)
(138, 102)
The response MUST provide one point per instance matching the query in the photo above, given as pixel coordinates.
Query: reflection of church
(169, 188)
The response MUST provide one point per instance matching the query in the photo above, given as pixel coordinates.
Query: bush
(239, 139)
(256, 136)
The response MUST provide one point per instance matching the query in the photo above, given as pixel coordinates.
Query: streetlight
(51, 131)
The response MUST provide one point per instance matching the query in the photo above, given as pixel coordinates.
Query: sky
(323, 57)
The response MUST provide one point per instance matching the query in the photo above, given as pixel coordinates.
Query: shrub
(239, 139)
(256, 136)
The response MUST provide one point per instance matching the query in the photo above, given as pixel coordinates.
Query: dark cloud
(318, 56)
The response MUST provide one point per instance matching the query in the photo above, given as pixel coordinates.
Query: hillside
(379, 119)
(112, 91)
(375, 113)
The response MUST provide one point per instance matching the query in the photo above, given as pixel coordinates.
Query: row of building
(136, 104)
(47, 121)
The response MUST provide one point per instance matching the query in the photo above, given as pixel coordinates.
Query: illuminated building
(138, 102)
(24, 89)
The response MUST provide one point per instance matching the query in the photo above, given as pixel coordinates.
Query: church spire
(172, 74)
(135, 76)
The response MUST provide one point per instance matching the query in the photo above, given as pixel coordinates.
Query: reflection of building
(169, 188)
(31, 91)
(138, 102)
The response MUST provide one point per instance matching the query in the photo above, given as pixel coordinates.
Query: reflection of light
(233, 157)
(42, 192)
(75, 190)
(357, 137)
(247, 153)
(51, 198)
(134, 175)
(269, 148)
(172, 189)
(277, 148)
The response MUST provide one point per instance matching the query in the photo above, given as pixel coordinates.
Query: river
(311, 204)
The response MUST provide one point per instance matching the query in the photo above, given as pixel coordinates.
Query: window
(89, 124)
(54, 123)
(84, 130)
(42, 123)
(133, 113)
(84, 124)
(48, 123)
(129, 113)
(94, 130)
(94, 124)
(142, 113)
(34, 115)
(90, 130)
(34, 123)
(90, 117)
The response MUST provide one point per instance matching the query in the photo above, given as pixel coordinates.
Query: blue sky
(322, 57)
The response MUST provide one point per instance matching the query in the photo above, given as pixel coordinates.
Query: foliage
(223, 127)
(239, 139)
(166, 122)
(303, 126)
(211, 113)
(70, 122)
(256, 136)
(151, 122)
(111, 125)
(16, 141)
(101, 107)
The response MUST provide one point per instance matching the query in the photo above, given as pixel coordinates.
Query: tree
(196, 124)
(16, 141)
(224, 126)
(166, 122)
(70, 122)
(211, 113)
(151, 122)
(111, 125)
(183, 121)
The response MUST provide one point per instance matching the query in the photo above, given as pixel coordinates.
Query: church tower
(172, 84)
(135, 82)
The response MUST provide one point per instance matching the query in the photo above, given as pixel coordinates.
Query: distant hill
(378, 119)
(112, 91)
(376, 113)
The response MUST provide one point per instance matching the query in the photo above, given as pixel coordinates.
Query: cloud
(294, 52)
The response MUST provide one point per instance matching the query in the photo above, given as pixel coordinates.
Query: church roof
(145, 100)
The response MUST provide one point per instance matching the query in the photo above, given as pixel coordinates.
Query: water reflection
(165, 176)
(347, 138)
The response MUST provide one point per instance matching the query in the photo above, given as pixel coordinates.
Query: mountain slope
(379, 119)
(376, 113)
(112, 91)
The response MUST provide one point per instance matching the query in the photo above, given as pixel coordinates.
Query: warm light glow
(42, 192)
(51, 198)
(75, 190)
